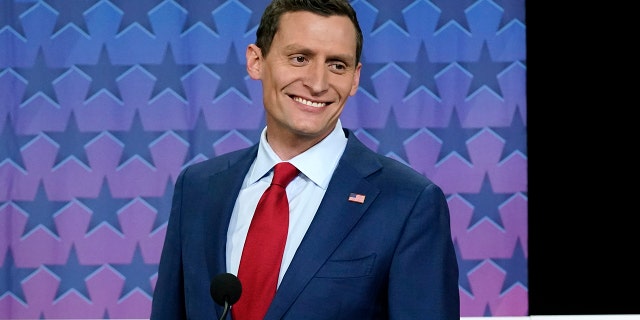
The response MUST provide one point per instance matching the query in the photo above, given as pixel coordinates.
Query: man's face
(308, 75)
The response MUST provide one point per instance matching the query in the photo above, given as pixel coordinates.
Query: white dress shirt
(305, 193)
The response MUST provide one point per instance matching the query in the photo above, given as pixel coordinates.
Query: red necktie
(264, 246)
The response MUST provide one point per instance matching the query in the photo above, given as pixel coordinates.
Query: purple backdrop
(102, 103)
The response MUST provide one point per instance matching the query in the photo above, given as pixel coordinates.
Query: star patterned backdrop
(103, 102)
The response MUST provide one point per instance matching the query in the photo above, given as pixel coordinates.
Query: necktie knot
(283, 174)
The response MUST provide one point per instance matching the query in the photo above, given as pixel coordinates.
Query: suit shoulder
(401, 172)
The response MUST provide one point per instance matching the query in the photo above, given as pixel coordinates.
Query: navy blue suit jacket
(390, 257)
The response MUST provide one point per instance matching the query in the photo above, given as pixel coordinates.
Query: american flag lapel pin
(356, 197)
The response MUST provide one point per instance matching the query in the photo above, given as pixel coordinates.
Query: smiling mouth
(309, 103)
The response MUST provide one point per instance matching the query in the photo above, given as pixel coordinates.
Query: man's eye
(299, 59)
(338, 67)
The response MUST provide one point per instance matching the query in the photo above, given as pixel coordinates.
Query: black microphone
(225, 290)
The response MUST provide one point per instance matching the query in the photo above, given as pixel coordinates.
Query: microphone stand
(226, 309)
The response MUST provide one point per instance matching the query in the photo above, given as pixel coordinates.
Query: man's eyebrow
(296, 48)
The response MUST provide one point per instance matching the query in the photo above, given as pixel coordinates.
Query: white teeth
(310, 103)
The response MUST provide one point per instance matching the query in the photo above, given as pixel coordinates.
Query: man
(368, 237)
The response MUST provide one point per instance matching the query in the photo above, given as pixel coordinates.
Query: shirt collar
(317, 163)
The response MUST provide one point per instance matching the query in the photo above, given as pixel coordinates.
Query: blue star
(10, 144)
(257, 8)
(168, 74)
(72, 275)
(391, 139)
(11, 281)
(367, 74)
(200, 11)
(136, 141)
(104, 209)
(487, 310)
(135, 12)
(454, 138)
(201, 139)
(465, 267)
(253, 135)
(515, 136)
(11, 12)
(513, 10)
(71, 142)
(233, 74)
(41, 211)
(515, 267)
(453, 11)
(103, 75)
(422, 72)
(70, 12)
(390, 11)
(40, 77)
(485, 71)
(137, 274)
(162, 205)
(486, 204)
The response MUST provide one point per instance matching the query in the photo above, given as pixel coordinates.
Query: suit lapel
(222, 191)
(336, 216)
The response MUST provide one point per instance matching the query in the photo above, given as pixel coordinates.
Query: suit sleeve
(423, 280)
(168, 297)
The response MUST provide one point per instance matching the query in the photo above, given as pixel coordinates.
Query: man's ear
(356, 79)
(254, 61)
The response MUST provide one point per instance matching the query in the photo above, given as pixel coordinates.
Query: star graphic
(391, 138)
(71, 142)
(70, 12)
(103, 75)
(11, 281)
(168, 74)
(40, 77)
(422, 72)
(11, 12)
(486, 203)
(253, 135)
(515, 136)
(104, 208)
(454, 138)
(41, 211)
(453, 11)
(10, 144)
(201, 139)
(136, 141)
(485, 71)
(367, 74)
(233, 73)
(465, 267)
(256, 8)
(200, 11)
(487, 310)
(135, 12)
(72, 275)
(137, 274)
(162, 205)
(390, 11)
(515, 267)
(513, 10)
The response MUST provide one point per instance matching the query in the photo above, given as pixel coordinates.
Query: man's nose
(317, 78)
